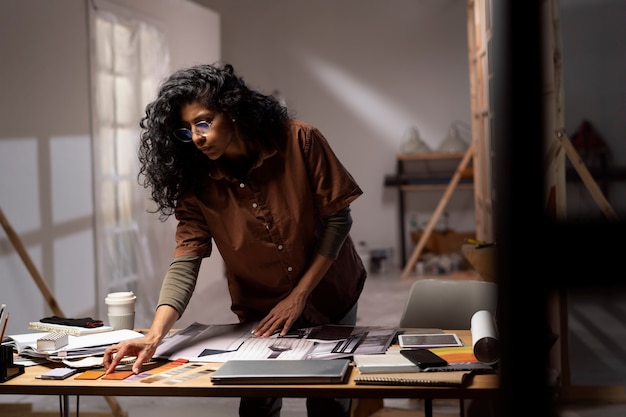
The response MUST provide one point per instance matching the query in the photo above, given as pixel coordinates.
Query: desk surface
(193, 380)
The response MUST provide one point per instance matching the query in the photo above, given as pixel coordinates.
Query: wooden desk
(195, 381)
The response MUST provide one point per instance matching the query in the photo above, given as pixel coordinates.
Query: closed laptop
(268, 371)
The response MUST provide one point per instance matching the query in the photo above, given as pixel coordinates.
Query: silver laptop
(270, 371)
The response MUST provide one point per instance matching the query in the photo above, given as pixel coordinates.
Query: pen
(475, 242)
(479, 243)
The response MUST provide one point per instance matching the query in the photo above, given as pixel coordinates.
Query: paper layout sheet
(219, 343)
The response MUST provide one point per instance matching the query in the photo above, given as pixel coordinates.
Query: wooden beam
(47, 294)
(41, 284)
(437, 213)
(585, 175)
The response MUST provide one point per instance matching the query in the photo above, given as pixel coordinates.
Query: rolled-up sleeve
(180, 282)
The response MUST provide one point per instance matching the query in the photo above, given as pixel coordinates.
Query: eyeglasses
(185, 135)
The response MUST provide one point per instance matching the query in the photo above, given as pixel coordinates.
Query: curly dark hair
(170, 167)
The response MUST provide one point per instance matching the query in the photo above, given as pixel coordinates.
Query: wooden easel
(47, 294)
(467, 157)
(562, 142)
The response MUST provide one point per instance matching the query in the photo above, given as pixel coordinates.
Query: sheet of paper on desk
(362, 340)
(266, 348)
(24, 342)
(219, 343)
(190, 342)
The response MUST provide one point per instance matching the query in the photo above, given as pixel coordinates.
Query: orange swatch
(453, 355)
(118, 375)
(91, 374)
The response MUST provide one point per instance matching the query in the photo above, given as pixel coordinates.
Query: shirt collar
(217, 173)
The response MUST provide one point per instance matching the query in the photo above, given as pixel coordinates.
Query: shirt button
(280, 247)
(241, 185)
(289, 269)
(255, 205)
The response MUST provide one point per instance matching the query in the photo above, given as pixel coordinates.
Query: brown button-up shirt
(267, 227)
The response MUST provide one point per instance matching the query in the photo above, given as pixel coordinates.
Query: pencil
(4, 319)
(4, 327)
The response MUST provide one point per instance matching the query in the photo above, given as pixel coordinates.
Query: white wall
(45, 157)
(45, 146)
(362, 71)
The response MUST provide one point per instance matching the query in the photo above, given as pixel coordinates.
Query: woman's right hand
(143, 348)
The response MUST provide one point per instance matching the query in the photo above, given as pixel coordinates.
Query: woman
(234, 168)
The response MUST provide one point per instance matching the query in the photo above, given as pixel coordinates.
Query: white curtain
(128, 60)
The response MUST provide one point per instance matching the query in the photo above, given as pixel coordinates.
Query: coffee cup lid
(120, 297)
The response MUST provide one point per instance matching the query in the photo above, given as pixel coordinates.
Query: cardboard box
(443, 242)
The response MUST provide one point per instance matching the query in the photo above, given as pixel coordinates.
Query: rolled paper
(485, 341)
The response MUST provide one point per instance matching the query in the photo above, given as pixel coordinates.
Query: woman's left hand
(281, 317)
(288, 310)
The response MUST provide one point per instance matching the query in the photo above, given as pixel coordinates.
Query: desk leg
(428, 407)
(65, 405)
(364, 407)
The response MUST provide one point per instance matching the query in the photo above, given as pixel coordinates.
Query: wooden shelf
(434, 187)
(401, 180)
(429, 155)
(435, 176)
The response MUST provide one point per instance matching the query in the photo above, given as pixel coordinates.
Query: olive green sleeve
(179, 282)
(337, 227)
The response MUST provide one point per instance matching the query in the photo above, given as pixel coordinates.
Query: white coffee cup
(121, 309)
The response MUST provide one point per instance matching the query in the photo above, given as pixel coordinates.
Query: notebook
(444, 379)
(268, 371)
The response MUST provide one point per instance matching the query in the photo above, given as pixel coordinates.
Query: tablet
(426, 341)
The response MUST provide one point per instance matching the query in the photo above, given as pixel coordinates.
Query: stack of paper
(77, 346)
(391, 361)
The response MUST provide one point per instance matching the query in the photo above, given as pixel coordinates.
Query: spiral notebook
(446, 379)
(69, 330)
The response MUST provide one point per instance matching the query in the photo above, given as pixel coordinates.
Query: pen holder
(8, 369)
